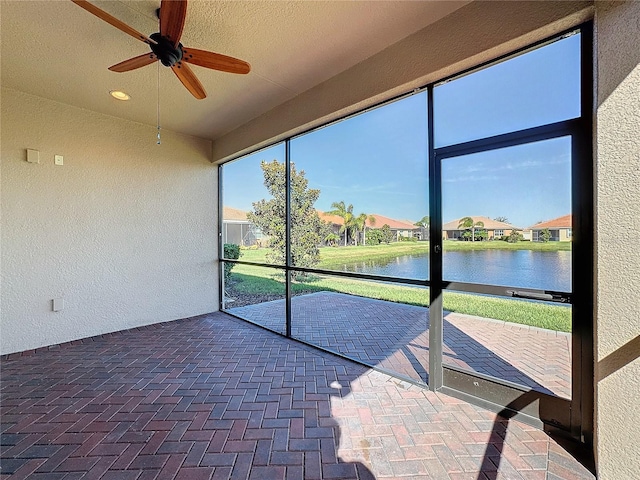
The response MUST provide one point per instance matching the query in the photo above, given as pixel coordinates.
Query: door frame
(512, 400)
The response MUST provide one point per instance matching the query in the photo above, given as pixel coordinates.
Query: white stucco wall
(124, 231)
(617, 142)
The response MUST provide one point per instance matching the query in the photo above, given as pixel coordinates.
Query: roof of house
(327, 217)
(380, 220)
(235, 214)
(560, 222)
(230, 213)
(489, 224)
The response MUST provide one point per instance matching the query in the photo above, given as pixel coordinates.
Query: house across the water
(398, 228)
(559, 228)
(485, 229)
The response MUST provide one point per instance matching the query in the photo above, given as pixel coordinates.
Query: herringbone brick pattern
(395, 337)
(216, 398)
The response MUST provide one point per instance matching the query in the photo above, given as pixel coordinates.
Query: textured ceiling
(56, 50)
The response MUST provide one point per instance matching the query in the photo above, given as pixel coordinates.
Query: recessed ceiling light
(117, 94)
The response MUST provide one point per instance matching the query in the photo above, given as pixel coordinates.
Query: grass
(456, 245)
(249, 279)
(334, 256)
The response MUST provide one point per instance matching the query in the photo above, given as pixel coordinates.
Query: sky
(378, 161)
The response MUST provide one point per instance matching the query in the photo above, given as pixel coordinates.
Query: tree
(374, 237)
(424, 222)
(346, 213)
(545, 235)
(386, 234)
(326, 232)
(332, 239)
(482, 234)
(502, 219)
(468, 224)
(360, 223)
(269, 216)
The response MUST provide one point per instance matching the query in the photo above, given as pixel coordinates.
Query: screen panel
(536, 88)
(253, 206)
(360, 191)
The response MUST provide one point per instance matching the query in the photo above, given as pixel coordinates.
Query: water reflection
(517, 268)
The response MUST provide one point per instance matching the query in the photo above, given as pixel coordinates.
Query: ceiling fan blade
(172, 16)
(189, 80)
(215, 61)
(133, 63)
(113, 21)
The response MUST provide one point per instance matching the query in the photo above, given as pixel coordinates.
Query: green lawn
(333, 256)
(456, 245)
(249, 279)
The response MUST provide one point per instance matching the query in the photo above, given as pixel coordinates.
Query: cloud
(471, 178)
(391, 188)
(515, 165)
(486, 171)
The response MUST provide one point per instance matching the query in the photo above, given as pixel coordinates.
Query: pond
(514, 268)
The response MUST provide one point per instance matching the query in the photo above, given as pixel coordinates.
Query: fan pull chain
(158, 113)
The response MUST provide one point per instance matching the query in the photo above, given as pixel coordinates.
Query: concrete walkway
(396, 337)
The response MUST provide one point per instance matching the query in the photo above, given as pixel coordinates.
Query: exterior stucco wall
(564, 235)
(617, 142)
(124, 231)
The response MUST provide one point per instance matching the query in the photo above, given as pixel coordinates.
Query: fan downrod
(165, 51)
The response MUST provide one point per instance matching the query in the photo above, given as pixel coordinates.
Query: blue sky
(377, 161)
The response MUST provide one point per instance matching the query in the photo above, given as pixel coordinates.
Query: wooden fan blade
(172, 17)
(215, 61)
(189, 80)
(113, 21)
(133, 63)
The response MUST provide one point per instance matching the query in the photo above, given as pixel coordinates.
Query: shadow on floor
(394, 336)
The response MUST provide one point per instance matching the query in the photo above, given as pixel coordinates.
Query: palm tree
(332, 239)
(468, 223)
(346, 213)
(360, 223)
(424, 222)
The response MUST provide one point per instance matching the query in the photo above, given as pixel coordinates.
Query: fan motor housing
(165, 51)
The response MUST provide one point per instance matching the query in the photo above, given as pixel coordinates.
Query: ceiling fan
(166, 47)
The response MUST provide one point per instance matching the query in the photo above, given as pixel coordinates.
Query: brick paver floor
(214, 397)
(395, 337)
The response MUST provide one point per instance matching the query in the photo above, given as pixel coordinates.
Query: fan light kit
(118, 95)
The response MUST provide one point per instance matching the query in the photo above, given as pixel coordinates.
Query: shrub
(332, 239)
(481, 235)
(514, 237)
(387, 234)
(231, 251)
(374, 236)
(545, 235)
